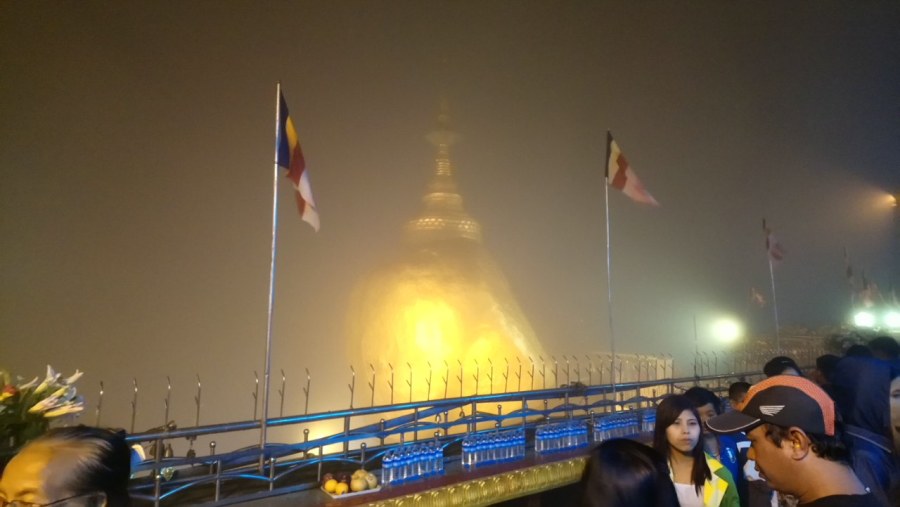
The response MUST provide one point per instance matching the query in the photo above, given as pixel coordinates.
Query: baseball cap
(783, 400)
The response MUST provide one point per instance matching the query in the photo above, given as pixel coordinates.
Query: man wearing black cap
(795, 441)
(782, 365)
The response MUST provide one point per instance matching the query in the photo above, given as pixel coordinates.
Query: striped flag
(848, 270)
(773, 247)
(757, 298)
(289, 156)
(620, 175)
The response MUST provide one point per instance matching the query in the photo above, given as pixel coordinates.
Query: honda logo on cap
(770, 409)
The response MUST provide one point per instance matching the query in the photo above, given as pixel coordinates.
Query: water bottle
(402, 465)
(430, 462)
(493, 448)
(438, 460)
(387, 468)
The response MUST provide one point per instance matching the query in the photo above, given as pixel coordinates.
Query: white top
(687, 495)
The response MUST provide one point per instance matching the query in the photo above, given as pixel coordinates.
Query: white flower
(65, 408)
(51, 378)
(71, 380)
(29, 385)
(60, 397)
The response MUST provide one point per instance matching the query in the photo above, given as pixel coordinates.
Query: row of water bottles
(410, 462)
(560, 436)
(494, 447)
(648, 420)
(624, 424)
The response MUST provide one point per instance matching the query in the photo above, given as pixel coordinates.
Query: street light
(727, 330)
(892, 320)
(864, 319)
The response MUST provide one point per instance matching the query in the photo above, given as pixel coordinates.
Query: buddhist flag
(757, 298)
(773, 247)
(289, 156)
(620, 175)
(848, 270)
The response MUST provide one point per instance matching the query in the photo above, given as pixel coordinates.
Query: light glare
(727, 330)
(892, 320)
(864, 319)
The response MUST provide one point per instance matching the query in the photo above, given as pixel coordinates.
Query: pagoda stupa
(443, 298)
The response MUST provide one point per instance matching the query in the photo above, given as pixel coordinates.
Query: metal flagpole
(774, 304)
(268, 368)
(696, 350)
(612, 337)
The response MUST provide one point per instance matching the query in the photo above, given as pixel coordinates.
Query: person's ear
(798, 442)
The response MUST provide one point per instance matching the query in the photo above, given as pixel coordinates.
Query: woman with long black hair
(700, 480)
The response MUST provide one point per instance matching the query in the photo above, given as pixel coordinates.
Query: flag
(289, 156)
(757, 298)
(773, 247)
(849, 269)
(621, 176)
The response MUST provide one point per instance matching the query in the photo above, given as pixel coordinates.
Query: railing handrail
(552, 393)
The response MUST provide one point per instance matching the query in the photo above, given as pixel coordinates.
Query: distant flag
(773, 247)
(757, 298)
(620, 175)
(289, 156)
(849, 269)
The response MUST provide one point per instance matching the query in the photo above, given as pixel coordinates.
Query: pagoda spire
(443, 216)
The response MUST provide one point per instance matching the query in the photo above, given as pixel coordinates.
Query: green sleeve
(731, 498)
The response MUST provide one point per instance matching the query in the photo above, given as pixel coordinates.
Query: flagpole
(612, 337)
(696, 351)
(774, 304)
(265, 401)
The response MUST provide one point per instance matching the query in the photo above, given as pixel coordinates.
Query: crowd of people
(828, 439)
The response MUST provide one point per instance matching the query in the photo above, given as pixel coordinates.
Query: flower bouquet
(26, 410)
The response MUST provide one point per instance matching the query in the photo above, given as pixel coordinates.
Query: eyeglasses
(98, 498)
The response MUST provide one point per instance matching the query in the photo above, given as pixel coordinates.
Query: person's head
(858, 350)
(737, 392)
(860, 388)
(825, 365)
(781, 365)
(708, 405)
(626, 473)
(885, 347)
(792, 425)
(87, 466)
(678, 430)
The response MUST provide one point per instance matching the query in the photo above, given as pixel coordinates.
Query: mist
(136, 148)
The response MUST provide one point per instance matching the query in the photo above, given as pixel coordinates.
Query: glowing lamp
(864, 319)
(892, 320)
(727, 330)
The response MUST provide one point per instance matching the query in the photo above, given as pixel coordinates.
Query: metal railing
(368, 433)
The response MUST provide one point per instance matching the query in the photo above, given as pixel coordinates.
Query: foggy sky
(136, 145)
